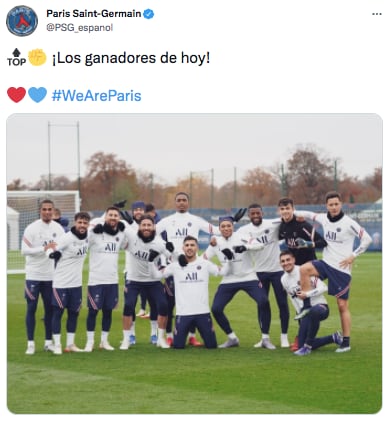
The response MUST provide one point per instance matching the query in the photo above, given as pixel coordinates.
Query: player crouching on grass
(191, 279)
(319, 311)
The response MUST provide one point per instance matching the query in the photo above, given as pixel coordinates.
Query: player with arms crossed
(340, 232)
(70, 254)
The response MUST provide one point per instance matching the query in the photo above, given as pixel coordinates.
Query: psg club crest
(22, 21)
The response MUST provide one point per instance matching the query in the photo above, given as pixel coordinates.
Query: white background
(278, 56)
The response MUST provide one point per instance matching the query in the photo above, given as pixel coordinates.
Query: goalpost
(23, 209)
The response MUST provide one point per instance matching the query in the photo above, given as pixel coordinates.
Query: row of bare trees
(306, 178)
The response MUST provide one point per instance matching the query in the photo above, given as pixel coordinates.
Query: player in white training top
(236, 249)
(309, 326)
(69, 254)
(105, 242)
(38, 237)
(267, 263)
(191, 277)
(143, 246)
(340, 232)
(176, 227)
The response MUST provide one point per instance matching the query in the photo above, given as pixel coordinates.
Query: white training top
(138, 251)
(180, 225)
(103, 257)
(340, 236)
(68, 272)
(191, 285)
(268, 259)
(242, 265)
(291, 283)
(36, 236)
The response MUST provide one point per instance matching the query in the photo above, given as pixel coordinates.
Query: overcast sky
(171, 146)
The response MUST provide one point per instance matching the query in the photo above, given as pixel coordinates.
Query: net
(23, 209)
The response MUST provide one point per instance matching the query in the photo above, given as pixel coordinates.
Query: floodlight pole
(77, 126)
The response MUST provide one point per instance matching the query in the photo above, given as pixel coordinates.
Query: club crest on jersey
(339, 229)
(198, 268)
(54, 234)
(189, 224)
(267, 231)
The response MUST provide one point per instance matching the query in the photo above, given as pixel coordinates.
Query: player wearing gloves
(267, 263)
(299, 236)
(38, 237)
(234, 248)
(176, 227)
(105, 242)
(144, 247)
(132, 220)
(309, 326)
(340, 232)
(191, 278)
(69, 254)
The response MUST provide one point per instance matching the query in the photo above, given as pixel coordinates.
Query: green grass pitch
(242, 380)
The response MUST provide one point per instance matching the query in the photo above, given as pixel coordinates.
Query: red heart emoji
(16, 94)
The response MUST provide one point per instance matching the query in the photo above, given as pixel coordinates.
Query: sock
(47, 342)
(132, 329)
(126, 334)
(161, 332)
(169, 335)
(90, 335)
(69, 339)
(104, 336)
(232, 336)
(154, 327)
(265, 336)
(57, 339)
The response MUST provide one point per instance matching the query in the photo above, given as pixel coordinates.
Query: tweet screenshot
(194, 208)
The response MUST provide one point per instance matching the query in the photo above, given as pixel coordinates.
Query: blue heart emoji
(37, 94)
